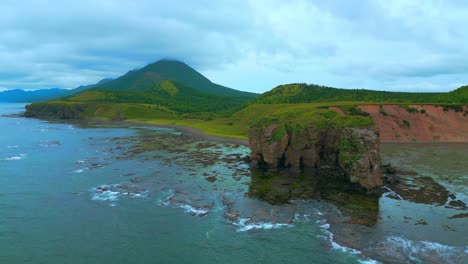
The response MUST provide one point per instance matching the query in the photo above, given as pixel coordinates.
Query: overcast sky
(247, 45)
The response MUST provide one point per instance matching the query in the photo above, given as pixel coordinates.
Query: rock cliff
(349, 152)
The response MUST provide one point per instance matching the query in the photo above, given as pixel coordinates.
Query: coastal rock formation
(349, 152)
(55, 110)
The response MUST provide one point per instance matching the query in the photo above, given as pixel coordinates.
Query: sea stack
(351, 153)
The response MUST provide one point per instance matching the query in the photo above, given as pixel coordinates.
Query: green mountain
(170, 84)
(170, 70)
(303, 93)
(165, 89)
(459, 95)
(168, 94)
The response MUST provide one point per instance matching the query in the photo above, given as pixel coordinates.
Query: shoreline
(197, 133)
(189, 131)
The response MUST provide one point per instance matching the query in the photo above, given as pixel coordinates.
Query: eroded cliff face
(349, 152)
(418, 123)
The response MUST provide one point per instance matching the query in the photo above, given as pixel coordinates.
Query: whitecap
(245, 226)
(106, 196)
(80, 170)
(368, 261)
(13, 146)
(19, 157)
(391, 192)
(301, 218)
(187, 208)
(192, 210)
(420, 249)
(166, 201)
(112, 193)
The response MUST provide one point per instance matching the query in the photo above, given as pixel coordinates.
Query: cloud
(250, 45)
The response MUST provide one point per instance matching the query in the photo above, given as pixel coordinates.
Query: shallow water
(149, 195)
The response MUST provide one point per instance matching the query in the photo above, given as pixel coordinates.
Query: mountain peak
(168, 63)
(169, 70)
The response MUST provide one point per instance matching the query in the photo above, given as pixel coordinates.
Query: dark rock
(456, 204)
(421, 190)
(211, 179)
(464, 215)
(421, 222)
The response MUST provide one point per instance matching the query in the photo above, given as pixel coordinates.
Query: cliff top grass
(299, 115)
(234, 126)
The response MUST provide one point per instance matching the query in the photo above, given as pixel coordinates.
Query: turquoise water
(148, 195)
(50, 212)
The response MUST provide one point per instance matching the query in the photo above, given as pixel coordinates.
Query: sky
(398, 45)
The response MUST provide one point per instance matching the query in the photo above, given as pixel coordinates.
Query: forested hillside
(175, 96)
(303, 93)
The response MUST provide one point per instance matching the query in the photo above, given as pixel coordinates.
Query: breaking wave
(245, 225)
(112, 193)
(186, 207)
(329, 237)
(19, 157)
(422, 251)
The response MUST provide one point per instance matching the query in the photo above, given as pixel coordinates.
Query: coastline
(196, 133)
(189, 131)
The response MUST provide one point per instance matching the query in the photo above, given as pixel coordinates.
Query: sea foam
(419, 250)
(244, 225)
(19, 157)
(187, 207)
(329, 236)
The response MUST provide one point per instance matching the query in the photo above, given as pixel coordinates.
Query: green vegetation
(174, 96)
(406, 123)
(279, 133)
(456, 108)
(349, 153)
(169, 88)
(354, 110)
(172, 93)
(459, 95)
(153, 74)
(303, 93)
(298, 115)
(412, 110)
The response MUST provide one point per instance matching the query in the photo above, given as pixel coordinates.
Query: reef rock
(350, 152)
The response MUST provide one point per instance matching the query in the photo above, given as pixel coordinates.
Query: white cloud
(250, 45)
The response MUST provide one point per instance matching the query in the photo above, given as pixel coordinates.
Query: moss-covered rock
(353, 153)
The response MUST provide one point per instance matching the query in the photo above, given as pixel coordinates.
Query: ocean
(142, 194)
